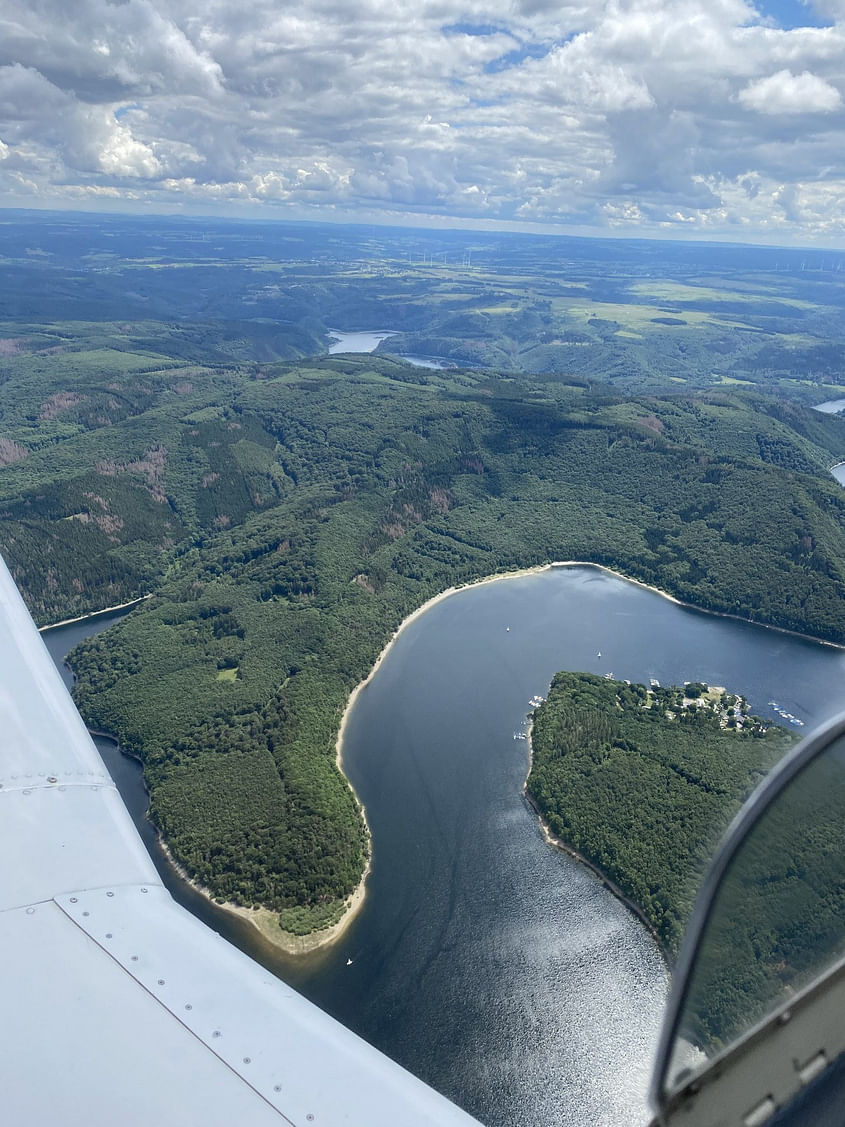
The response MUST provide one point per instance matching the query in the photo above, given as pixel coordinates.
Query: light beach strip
(266, 921)
(94, 614)
(526, 571)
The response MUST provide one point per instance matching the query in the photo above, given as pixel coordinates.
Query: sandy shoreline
(681, 603)
(264, 920)
(94, 614)
(536, 570)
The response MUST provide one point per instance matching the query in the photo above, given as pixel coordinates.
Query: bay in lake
(369, 342)
(357, 342)
(492, 965)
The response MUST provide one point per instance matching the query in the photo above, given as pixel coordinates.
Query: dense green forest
(314, 508)
(778, 919)
(286, 513)
(642, 782)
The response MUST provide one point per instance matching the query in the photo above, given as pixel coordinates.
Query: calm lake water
(834, 407)
(356, 342)
(369, 342)
(490, 964)
(831, 407)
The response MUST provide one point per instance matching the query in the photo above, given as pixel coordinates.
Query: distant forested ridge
(642, 782)
(163, 431)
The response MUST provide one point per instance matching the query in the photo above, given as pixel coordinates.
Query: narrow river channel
(493, 966)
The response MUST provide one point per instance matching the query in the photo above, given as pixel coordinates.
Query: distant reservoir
(369, 342)
(495, 967)
(831, 407)
(356, 342)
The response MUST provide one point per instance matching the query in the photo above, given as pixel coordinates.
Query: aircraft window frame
(769, 790)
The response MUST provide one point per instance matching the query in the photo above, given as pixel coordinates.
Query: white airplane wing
(118, 1006)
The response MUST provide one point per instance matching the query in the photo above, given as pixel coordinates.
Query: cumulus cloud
(785, 92)
(628, 114)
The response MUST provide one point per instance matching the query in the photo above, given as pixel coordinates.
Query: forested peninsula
(288, 518)
(641, 782)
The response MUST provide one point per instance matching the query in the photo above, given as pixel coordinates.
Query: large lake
(490, 964)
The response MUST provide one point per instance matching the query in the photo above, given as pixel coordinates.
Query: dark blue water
(490, 964)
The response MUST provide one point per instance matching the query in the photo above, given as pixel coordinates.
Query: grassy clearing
(681, 291)
(633, 317)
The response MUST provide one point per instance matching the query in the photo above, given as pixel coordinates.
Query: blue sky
(790, 14)
(695, 118)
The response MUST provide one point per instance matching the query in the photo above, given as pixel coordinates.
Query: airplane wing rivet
(27, 791)
(30, 911)
(277, 1087)
(310, 1117)
(108, 935)
(73, 899)
(161, 982)
(52, 779)
(143, 890)
(86, 913)
(216, 1033)
(134, 958)
(189, 1006)
(109, 894)
(247, 1060)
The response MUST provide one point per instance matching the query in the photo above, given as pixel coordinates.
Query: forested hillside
(642, 782)
(288, 518)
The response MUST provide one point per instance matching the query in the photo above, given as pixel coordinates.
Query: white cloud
(829, 9)
(785, 92)
(121, 155)
(627, 113)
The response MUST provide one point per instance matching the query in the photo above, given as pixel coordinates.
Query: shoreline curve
(263, 919)
(516, 574)
(94, 614)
